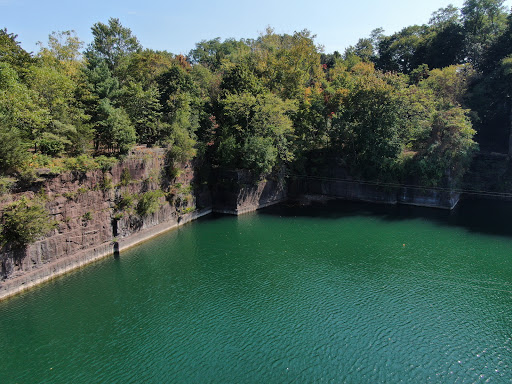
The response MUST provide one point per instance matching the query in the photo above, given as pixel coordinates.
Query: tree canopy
(404, 106)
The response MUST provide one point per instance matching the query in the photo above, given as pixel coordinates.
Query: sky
(176, 26)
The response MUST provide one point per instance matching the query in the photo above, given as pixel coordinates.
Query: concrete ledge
(47, 272)
(149, 233)
(50, 271)
(250, 208)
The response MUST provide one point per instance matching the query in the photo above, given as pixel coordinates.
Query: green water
(341, 292)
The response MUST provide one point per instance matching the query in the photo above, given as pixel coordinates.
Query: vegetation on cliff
(23, 222)
(404, 107)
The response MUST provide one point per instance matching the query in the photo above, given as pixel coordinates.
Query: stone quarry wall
(360, 191)
(332, 180)
(90, 225)
(237, 192)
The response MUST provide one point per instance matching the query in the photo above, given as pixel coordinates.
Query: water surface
(341, 292)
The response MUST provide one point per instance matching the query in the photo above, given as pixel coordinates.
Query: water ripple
(275, 300)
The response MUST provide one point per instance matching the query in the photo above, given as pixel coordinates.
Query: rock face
(335, 182)
(236, 192)
(91, 223)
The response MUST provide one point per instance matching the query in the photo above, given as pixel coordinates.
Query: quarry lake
(335, 292)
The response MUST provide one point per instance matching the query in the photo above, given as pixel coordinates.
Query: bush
(13, 151)
(126, 177)
(106, 163)
(6, 183)
(52, 145)
(124, 202)
(149, 203)
(25, 221)
(106, 184)
(82, 163)
(260, 155)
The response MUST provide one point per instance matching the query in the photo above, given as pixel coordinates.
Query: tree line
(403, 107)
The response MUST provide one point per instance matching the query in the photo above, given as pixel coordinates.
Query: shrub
(106, 183)
(189, 210)
(24, 221)
(52, 145)
(149, 203)
(82, 163)
(126, 178)
(124, 202)
(6, 183)
(106, 163)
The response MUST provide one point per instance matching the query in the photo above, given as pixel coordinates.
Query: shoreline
(12, 287)
(55, 269)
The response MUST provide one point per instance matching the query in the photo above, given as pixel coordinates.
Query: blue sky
(177, 25)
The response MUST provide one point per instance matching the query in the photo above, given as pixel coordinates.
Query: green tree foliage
(144, 110)
(445, 40)
(63, 51)
(391, 106)
(484, 21)
(212, 53)
(149, 203)
(113, 43)
(20, 107)
(116, 130)
(257, 133)
(146, 66)
(403, 51)
(181, 103)
(369, 128)
(12, 53)
(444, 145)
(287, 63)
(24, 221)
(447, 153)
(102, 84)
(13, 151)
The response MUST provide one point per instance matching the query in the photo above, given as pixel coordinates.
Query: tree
(12, 54)
(21, 107)
(144, 110)
(146, 66)
(115, 128)
(450, 84)
(403, 51)
(484, 21)
(368, 132)
(63, 52)
(13, 151)
(112, 42)
(212, 53)
(287, 64)
(448, 151)
(364, 49)
(257, 133)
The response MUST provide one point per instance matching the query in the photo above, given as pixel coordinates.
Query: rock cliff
(91, 220)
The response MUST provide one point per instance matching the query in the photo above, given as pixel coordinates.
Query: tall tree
(12, 53)
(484, 21)
(112, 42)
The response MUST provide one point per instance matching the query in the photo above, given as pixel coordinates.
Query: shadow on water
(477, 215)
